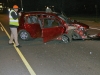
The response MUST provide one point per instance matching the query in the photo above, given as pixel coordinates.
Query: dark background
(70, 7)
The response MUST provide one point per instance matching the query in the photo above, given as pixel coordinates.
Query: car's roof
(40, 12)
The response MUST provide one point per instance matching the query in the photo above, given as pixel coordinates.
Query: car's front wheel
(65, 38)
(24, 35)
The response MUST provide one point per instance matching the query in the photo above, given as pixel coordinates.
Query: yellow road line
(31, 71)
(1, 28)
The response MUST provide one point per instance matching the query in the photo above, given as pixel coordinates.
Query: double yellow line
(31, 71)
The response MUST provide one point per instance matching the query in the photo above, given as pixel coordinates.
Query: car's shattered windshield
(67, 20)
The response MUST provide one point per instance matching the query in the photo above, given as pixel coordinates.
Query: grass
(86, 17)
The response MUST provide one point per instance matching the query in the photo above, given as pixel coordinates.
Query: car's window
(50, 21)
(31, 19)
(63, 17)
(39, 20)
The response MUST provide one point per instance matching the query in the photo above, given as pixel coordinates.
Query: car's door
(33, 26)
(52, 28)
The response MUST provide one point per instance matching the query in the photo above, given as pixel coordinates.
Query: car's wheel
(24, 35)
(65, 38)
(76, 36)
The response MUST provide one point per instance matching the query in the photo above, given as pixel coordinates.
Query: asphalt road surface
(52, 58)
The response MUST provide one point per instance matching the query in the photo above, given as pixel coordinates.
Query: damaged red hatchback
(49, 26)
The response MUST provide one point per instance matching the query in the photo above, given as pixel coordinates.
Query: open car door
(51, 30)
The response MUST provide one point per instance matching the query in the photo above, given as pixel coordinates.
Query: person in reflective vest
(13, 24)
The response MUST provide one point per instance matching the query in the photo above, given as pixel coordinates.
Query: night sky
(67, 6)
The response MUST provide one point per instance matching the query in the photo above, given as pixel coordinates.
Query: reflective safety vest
(11, 20)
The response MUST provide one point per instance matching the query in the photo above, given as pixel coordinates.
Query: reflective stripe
(12, 21)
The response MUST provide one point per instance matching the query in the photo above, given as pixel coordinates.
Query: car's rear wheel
(24, 35)
(65, 38)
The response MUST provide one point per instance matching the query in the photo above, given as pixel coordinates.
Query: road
(52, 58)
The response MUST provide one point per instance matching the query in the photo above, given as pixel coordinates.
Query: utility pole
(96, 12)
(21, 5)
(7, 3)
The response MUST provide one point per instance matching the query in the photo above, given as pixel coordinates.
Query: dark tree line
(67, 6)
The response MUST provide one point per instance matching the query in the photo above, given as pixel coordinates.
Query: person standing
(48, 10)
(71, 32)
(13, 24)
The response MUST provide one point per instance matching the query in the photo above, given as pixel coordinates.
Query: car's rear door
(33, 26)
(51, 30)
(51, 33)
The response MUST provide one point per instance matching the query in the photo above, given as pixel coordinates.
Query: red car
(49, 26)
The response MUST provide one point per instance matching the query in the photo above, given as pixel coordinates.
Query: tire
(24, 35)
(76, 36)
(65, 38)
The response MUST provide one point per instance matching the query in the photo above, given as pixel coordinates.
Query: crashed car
(49, 26)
